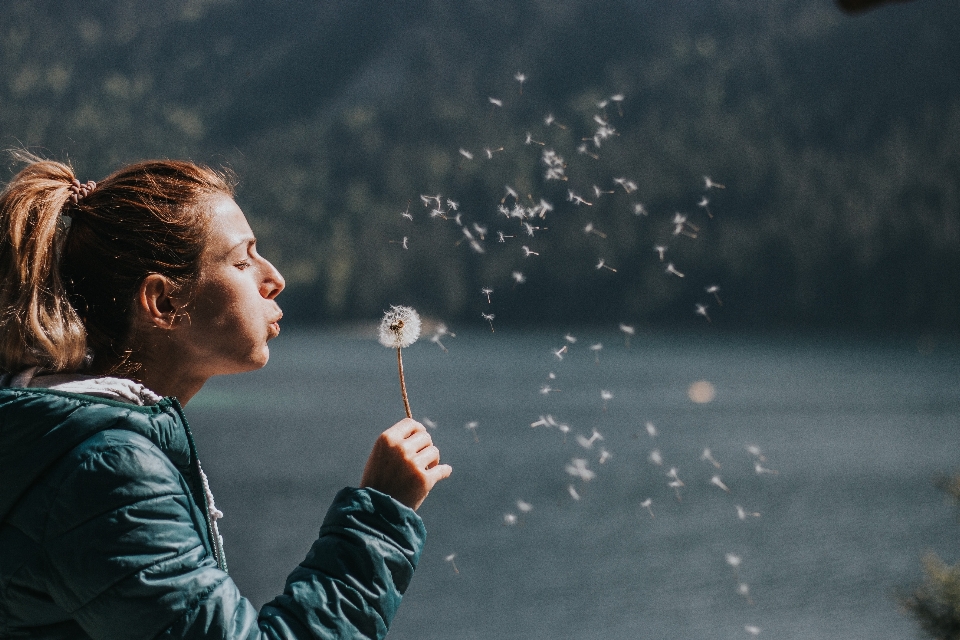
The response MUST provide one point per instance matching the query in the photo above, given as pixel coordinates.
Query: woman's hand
(404, 464)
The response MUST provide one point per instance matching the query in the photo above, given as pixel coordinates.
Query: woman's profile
(118, 301)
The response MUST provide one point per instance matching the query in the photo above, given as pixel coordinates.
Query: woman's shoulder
(54, 439)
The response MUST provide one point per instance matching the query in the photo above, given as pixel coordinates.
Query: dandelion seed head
(400, 327)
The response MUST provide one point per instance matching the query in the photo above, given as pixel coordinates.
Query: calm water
(854, 430)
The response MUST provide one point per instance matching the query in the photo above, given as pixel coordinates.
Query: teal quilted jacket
(104, 533)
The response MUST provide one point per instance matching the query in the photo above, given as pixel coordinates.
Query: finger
(417, 442)
(403, 429)
(438, 473)
(427, 458)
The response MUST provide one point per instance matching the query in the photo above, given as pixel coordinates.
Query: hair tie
(81, 191)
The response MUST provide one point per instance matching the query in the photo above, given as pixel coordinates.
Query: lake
(848, 434)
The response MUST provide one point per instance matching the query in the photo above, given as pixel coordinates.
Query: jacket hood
(39, 426)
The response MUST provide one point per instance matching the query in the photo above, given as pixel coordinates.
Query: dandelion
(589, 228)
(400, 328)
(596, 351)
(707, 456)
(710, 184)
(717, 482)
(673, 270)
(575, 198)
(486, 291)
(559, 352)
(606, 396)
(489, 318)
(529, 140)
(472, 426)
(743, 513)
(713, 289)
(597, 192)
(602, 264)
(701, 310)
(587, 443)
(660, 249)
(501, 238)
(578, 468)
(450, 559)
(627, 332)
(521, 78)
(527, 251)
(705, 203)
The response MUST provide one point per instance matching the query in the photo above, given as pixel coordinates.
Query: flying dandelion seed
(509, 519)
(660, 249)
(450, 559)
(639, 209)
(428, 423)
(495, 101)
(578, 468)
(628, 331)
(573, 492)
(596, 351)
(651, 429)
(399, 328)
(524, 507)
(710, 184)
(466, 154)
(656, 457)
(707, 456)
(472, 427)
(717, 482)
(673, 270)
(701, 310)
(486, 291)
(648, 505)
(489, 318)
(518, 277)
(713, 289)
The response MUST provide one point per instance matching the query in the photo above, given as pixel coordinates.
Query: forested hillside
(836, 140)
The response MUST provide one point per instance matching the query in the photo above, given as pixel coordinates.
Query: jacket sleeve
(128, 560)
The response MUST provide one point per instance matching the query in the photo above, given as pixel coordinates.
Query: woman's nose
(273, 282)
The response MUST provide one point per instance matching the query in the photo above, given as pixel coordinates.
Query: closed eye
(243, 264)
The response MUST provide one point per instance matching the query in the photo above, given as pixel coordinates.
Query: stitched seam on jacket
(194, 605)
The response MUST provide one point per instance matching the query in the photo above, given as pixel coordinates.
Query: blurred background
(734, 221)
(837, 139)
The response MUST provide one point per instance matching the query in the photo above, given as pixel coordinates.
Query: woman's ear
(155, 302)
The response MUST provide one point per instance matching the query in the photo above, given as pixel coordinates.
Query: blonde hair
(69, 271)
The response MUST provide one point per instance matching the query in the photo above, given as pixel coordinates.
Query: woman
(118, 301)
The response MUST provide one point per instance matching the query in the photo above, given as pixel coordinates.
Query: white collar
(119, 389)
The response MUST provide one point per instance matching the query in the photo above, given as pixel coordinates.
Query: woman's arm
(128, 559)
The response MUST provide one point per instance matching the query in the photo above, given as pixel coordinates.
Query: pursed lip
(275, 325)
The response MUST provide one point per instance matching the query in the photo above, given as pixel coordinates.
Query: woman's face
(232, 314)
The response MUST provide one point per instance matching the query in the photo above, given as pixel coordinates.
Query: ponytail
(38, 325)
(72, 258)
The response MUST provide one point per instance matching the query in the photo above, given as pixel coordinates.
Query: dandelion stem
(403, 385)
